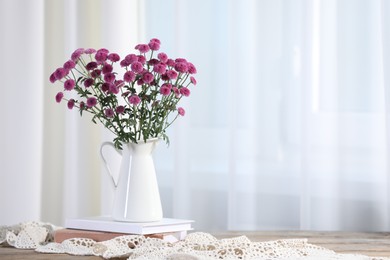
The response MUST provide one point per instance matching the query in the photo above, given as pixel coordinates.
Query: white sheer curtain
(21, 108)
(50, 165)
(286, 129)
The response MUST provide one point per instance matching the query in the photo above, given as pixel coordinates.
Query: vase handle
(105, 161)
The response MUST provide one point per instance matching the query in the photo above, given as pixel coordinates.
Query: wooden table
(372, 244)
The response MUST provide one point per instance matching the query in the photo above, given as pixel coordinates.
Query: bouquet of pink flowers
(140, 103)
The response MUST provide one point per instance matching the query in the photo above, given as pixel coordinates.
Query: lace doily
(39, 236)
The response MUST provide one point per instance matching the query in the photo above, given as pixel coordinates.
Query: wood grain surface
(366, 243)
(372, 244)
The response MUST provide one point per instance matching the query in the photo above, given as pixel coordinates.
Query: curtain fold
(385, 41)
(21, 109)
(288, 127)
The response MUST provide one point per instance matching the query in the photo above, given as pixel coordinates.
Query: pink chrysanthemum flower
(191, 68)
(185, 91)
(147, 77)
(69, 65)
(120, 109)
(181, 111)
(170, 62)
(69, 84)
(109, 77)
(107, 68)
(76, 54)
(88, 82)
(101, 55)
(181, 66)
(113, 89)
(134, 100)
(193, 80)
(154, 45)
(96, 73)
(91, 102)
(91, 65)
(60, 73)
(155, 40)
(141, 59)
(160, 68)
(114, 57)
(131, 58)
(143, 48)
(153, 62)
(109, 112)
(103, 50)
(52, 78)
(168, 85)
(124, 63)
(176, 91)
(137, 67)
(164, 77)
(165, 91)
(106, 86)
(181, 60)
(129, 76)
(162, 57)
(59, 97)
(172, 74)
(89, 51)
(70, 103)
(140, 82)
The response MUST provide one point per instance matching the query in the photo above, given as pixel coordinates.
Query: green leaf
(132, 122)
(80, 79)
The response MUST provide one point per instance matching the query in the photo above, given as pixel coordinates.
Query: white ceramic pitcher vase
(137, 198)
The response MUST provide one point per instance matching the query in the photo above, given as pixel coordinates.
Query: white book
(107, 224)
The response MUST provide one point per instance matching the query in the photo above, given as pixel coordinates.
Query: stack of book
(104, 228)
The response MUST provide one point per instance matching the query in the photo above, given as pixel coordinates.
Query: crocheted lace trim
(39, 236)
